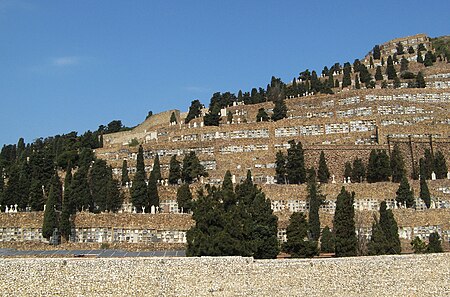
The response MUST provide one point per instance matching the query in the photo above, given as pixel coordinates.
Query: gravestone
(152, 209)
(7, 210)
(233, 179)
(134, 209)
(448, 175)
(143, 209)
(433, 175)
(348, 180)
(333, 181)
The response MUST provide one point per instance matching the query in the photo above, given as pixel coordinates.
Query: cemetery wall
(405, 275)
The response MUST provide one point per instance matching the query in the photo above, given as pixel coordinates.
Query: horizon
(72, 67)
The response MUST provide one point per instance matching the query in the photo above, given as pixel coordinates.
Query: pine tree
(323, 173)
(152, 191)
(279, 110)
(390, 230)
(139, 191)
(298, 244)
(440, 165)
(184, 198)
(174, 170)
(327, 241)
(280, 168)
(424, 192)
(125, 178)
(434, 244)
(358, 171)
(378, 74)
(315, 199)
(157, 168)
(295, 165)
(50, 218)
(397, 165)
(344, 225)
(405, 194)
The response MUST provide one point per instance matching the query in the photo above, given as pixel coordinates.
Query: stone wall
(411, 275)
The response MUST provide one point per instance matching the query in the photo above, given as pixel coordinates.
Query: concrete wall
(412, 275)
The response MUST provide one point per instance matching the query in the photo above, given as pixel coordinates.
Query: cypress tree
(295, 165)
(98, 180)
(390, 70)
(280, 168)
(347, 170)
(344, 225)
(372, 175)
(68, 206)
(228, 196)
(184, 198)
(50, 219)
(428, 61)
(13, 186)
(400, 49)
(419, 57)
(358, 171)
(420, 80)
(298, 244)
(80, 190)
(157, 168)
(434, 244)
(195, 110)
(174, 170)
(410, 50)
(440, 165)
(383, 166)
(323, 173)
(262, 115)
(357, 84)
(37, 199)
(376, 52)
(327, 241)
(315, 199)
(139, 191)
(114, 199)
(377, 244)
(125, 178)
(346, 79)
(173, 118)
(405, 194)
(424, 192)
(390, 230)
(153, 196)
(397, 165)
(428, 163)
(279, 110)
(404, 64)
(378, 74)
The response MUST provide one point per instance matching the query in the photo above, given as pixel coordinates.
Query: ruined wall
(412, 275)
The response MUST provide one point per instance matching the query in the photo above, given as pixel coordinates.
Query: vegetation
(405, 194)
(344, 225)
(385, 239)
(298, 243)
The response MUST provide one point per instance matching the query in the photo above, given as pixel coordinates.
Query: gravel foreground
(406, 275)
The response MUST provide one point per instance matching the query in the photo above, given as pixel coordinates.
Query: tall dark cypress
(344, 225)
(323, 173)
(139, 191)
(153, 196)
(50, 218)
(315, 199)
(125, 178)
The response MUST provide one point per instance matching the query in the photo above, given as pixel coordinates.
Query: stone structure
(412, 275)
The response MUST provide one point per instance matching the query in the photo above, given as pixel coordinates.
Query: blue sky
(74, 65)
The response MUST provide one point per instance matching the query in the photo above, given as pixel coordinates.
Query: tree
(347, 170)
(357, 84)
(377, 243)
(390, 230)
(410, 50)
(327, 241)
(157, 168)
(418, 245)
(184, 198)
(390, 70)
(97, 181)
(262, 115)
(428, 61)
(358, 171)
(421, 48)
(125, 178)
(428, 164)
(279, 110)
(344, 225)
(174, 170)
(323, 173)
(420, 80)
(36, 199)
(152, 191)
(173, 118)
(346, 79)
(434, 244)
(280, 168)
(378, 74)
(192, 169)
(50, 219)
(400, 49)
(139, 191)
(295, 165)
(404, 64)
(80, 190)
(379, 168)
(440, 165)
(419, 57)
(424, 192)
(315, 199)
(376, 52)
(397, 165)
(397, 83)
(298, 243)
(114, 199)
(405, 194)
(195, 110)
